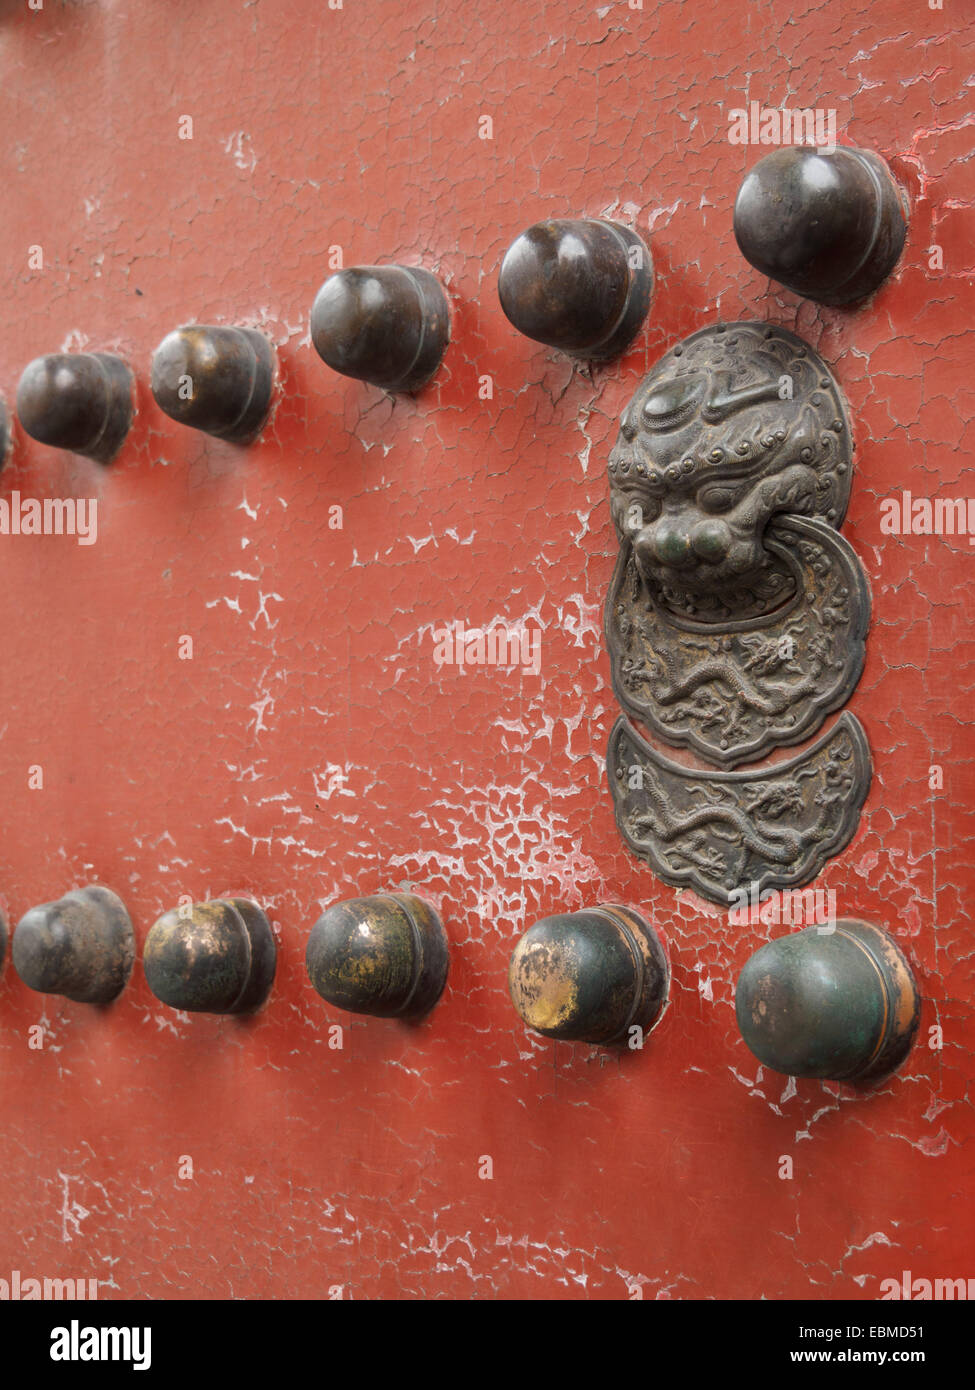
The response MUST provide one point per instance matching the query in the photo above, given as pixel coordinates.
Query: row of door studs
(839, 1003)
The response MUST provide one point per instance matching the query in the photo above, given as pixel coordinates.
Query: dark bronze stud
(388, 325)
(583, 286)
(80, 401)
(386, 955)
(218, 380)
(81, 946)
(827, 226)
(590, 976)
(842, 1005)
(217, 957)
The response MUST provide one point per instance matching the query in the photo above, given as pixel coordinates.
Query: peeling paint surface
(312, 749)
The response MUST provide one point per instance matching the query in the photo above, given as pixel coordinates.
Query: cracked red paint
(312, 749)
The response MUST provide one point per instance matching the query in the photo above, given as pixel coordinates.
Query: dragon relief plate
(735, 693)
(718, 832)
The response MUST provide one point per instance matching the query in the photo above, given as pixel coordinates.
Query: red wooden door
(312, 748)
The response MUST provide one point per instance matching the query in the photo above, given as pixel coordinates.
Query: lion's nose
(672, 544)
(711, 540)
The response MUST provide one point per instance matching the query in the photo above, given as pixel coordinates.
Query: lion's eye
(717, 499)
(673, 402)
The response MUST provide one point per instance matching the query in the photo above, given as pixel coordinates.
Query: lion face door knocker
(737, 614)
